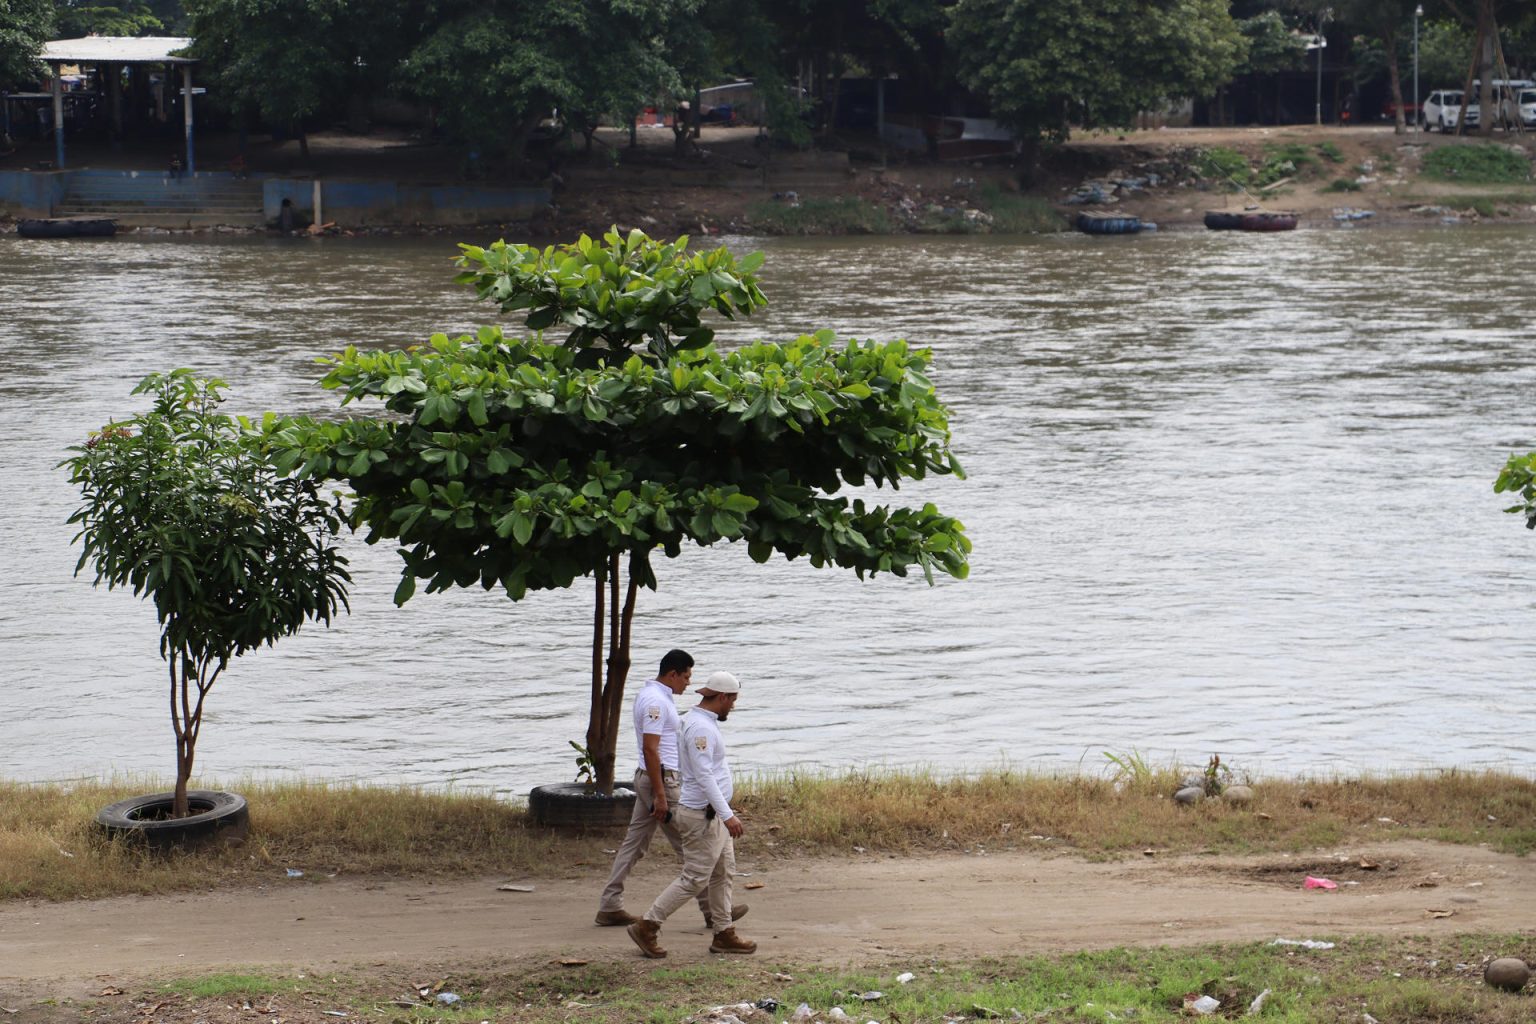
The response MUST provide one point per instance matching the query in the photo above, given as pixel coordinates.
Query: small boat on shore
(66, 227)
(1108, 224)
(1249, 220)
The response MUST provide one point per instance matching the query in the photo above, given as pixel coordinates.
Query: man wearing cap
(656, 731)
(705, 823)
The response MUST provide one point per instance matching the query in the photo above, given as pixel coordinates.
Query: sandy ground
(859, 909)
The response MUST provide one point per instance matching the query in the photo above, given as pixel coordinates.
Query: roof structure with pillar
(107, 52)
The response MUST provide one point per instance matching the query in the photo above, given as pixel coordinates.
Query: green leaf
(522, 528)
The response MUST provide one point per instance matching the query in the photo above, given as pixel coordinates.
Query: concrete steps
(146, 199)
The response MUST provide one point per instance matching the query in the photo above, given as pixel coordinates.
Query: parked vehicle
(1442, 110)
(1519, 106)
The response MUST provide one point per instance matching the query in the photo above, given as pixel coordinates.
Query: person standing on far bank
(705, 822)
(656, 732)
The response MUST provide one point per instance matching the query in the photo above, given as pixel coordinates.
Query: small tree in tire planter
(526, 464)
(181, 506)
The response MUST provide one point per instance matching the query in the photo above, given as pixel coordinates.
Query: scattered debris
(1319, 883)
(1439, 913)
(754, 885)
(1257, 1006)
(448, 998)
(1304, 943)
(1194, 1003)
(1349, 213)
(514, 887)
(295, 873)
(904, 977)
(572, 963)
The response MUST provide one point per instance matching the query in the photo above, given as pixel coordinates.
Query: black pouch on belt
(709, 813)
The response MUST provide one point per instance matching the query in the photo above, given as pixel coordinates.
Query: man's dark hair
(675, 661)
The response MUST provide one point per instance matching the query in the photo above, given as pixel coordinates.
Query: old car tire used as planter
(215, 817)
(579, 805)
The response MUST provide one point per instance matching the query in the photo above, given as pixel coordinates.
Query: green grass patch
(1477, 164)
(1404, 980)
(1330, 152)
(1292, 160)
(1343, 185)
(1224, 165)
(1013, 214)
(837, 215)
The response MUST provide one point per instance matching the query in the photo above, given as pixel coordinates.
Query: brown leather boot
(612, 918)
(738, 912)
(645, 933)
(729, 942)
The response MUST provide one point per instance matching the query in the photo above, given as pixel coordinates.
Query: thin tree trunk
(596, 726)
(613, 691)
(1395, 80)
(183, 770)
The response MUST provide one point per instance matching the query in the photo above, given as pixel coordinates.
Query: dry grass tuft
(904, 812)
(50, 848)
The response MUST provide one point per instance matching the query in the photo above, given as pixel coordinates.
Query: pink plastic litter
(1319, 883)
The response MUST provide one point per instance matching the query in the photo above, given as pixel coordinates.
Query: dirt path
(836, 911)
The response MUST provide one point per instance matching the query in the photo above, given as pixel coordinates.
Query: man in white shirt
(656, 730)
(706, 824)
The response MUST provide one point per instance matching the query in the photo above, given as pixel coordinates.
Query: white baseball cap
(721, 682)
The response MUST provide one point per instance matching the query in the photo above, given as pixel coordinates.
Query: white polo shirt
(656, 715)
(706, 770)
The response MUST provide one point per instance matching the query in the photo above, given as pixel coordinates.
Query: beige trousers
(709, 855)
(642, 829)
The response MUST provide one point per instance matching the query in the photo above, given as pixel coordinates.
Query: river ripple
(1229, 493)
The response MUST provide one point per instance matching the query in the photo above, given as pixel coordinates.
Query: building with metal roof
(111, 56)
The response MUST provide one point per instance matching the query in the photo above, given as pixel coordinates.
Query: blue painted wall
(348, 203)
(365, 203)
(31, 193)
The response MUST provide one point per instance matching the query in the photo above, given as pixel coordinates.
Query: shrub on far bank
(1485, 163)
(1020, 215)
(838, 215)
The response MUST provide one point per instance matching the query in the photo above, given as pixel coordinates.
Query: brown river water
(1228, 493)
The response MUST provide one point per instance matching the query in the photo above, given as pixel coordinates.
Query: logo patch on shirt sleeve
(701, 743)
(653, 713)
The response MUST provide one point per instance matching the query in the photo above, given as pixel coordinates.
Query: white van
(1442, 110)
(1519, 106)
(1504, 92)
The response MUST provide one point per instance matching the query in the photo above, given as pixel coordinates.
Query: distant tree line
(491, 70)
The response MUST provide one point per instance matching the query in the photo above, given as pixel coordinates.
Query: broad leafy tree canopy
(527, 464)
(1096, 63)
(25, 25)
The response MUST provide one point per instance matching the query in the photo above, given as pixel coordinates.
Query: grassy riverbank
(50, 849)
